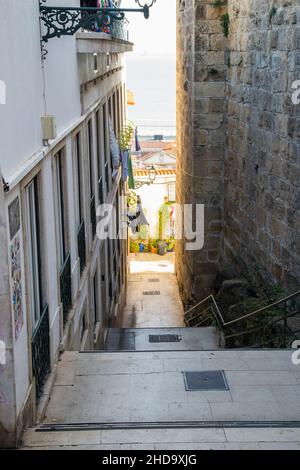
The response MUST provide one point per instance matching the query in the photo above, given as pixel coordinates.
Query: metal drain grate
(153, 280)
(205, 380)
(164, 338)
(151, 292)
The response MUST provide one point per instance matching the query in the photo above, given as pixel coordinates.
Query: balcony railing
(66, 288)
(93, 216)
(81, 246)
(66, 21)
(101, 190)
(40, 347)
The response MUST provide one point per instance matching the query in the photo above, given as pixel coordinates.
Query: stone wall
(238, 138)
(262, 166)
(201, 135)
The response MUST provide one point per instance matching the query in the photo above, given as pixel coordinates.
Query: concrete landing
(149, 387)
(137, 339)
(153, 301)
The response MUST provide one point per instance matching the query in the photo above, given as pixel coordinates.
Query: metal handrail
(267, 307)
(236, 320)
(246, 330)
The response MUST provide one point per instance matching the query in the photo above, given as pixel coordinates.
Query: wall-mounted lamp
(151, 178)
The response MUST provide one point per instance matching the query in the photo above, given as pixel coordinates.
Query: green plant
(170, 244)
(134, 247)
(219, 3)
(272, 13)
(213, 71)
(131, 199)
(153, 243)
(225, 22)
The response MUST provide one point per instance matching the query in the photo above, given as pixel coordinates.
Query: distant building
(160, 192)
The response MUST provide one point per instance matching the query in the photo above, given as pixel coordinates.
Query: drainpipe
(8, 425)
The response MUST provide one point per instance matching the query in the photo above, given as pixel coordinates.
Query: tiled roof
(158, 172)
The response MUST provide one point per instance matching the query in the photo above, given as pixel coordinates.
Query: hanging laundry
(124, 159)
(137, 143)
(114, 149)
(136, 217)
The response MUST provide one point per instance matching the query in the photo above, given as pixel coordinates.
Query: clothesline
(193, 176)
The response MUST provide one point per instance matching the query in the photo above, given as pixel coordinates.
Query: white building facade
(60, 286)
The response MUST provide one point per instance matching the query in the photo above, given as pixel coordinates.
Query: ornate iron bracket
(66, 21)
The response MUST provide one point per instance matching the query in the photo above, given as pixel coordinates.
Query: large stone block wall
(262, 165)
(239, 139)
(201, 136)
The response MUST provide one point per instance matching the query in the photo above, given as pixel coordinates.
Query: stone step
(138, 339)
(160, 439)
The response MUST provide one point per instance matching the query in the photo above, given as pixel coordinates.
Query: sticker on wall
(16, 284)
(14, 217)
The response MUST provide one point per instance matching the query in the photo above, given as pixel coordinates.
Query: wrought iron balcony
(101, 190)
(40, 346)
(93, 216)
(81, 246)
(66, 288)
(66, 21)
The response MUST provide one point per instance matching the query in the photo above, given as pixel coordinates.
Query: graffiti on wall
(15, 265)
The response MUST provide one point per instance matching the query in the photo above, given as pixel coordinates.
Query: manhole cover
(164, 338)
(151, 292)
(153, 280)
(206, 380)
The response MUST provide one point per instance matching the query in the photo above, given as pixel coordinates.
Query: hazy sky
(157, 35)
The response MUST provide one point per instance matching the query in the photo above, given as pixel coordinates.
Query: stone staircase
(138, 400)
(159, 339)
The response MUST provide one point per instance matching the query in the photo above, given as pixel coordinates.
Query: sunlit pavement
(148, 262)
(153, 299)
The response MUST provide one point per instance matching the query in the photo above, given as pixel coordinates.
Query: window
(81, 247)
(106, 149)
(99, 158)
(115, 114)
(34, 252)
(78, 164)
(62, 205)
(119, 111)
(90, 156)
(92, 182)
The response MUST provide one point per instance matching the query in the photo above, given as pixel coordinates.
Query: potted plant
(170, 245)
(153, 246)
(134, 246)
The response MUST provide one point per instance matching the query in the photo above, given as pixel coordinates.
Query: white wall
(21, 70)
